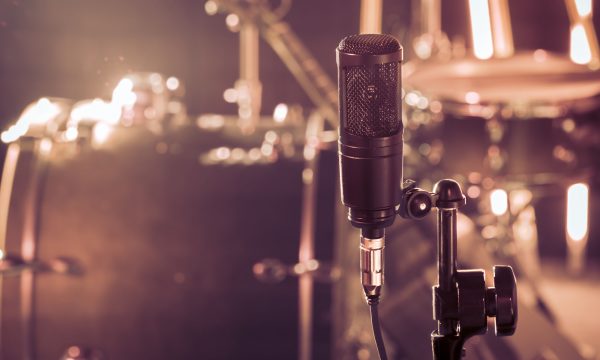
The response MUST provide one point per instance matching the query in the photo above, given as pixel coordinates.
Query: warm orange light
(71, 134)
(101, 132)
(96, 110)
(38, 113)
(123, 94)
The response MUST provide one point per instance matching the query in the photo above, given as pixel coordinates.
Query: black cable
(377, 328)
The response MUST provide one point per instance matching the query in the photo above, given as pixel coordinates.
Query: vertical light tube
(584, 47)
(481, 29)
(580, 51)
(577, 226)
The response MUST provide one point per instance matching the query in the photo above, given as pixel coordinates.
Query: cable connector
(371, 265)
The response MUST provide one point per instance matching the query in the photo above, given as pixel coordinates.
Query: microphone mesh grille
(369, 44)
(371, 100)
(371, 91)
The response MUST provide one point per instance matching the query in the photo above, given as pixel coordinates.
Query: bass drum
(143, 247)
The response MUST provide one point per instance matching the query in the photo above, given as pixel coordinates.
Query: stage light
(46, 146)
(584, 7)
(473, 191)
(123, 94)
(172, 83)
(481, 29)
(230, 95)
(577, 227)
(499, 202)
(412, 98)
(223, 153)
(577, 211)
(580, 51)
(280, 113)
(211, 7)
(232, 21)
(101, 132)
(472, 97)
(38, 113)
(71, 134)
(96, 110)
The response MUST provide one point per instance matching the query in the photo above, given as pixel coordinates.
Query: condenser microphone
(370, 144)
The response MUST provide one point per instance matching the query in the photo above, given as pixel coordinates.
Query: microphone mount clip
(461, 301)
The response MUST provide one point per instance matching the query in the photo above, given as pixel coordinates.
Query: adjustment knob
(501, 300)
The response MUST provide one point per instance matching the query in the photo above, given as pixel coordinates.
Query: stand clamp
(461, 301)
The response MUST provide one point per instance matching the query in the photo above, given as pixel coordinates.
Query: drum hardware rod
(11, 265)
(28, 250)
(370, 16)
(501, 29)
(430, 40)
(248, 86)
(37, 155)
(6, 189)
(307, 71)
(307, 268)
(431, 17)
(8, 179)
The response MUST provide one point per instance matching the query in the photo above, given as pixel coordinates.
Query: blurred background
(169, 187)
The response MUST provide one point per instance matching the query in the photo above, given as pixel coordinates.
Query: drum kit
(132, 230)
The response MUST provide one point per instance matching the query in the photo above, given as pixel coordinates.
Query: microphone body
(370, 143)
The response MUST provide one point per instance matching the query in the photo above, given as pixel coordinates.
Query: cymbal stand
(303, 66)
(461, 301)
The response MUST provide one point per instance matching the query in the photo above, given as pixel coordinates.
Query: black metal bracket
(461, 301)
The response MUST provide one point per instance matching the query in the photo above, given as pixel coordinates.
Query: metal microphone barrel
(370, 143)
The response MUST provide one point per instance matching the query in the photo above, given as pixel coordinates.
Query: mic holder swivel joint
(461, 301)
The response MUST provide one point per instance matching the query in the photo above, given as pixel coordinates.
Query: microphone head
(369, 85)
(369, 44)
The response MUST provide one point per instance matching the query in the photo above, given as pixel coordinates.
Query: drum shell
(166, 247)
(527, 147)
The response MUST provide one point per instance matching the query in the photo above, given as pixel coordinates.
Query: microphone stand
(461, 301)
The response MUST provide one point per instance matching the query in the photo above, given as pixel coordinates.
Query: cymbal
(535, 77)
